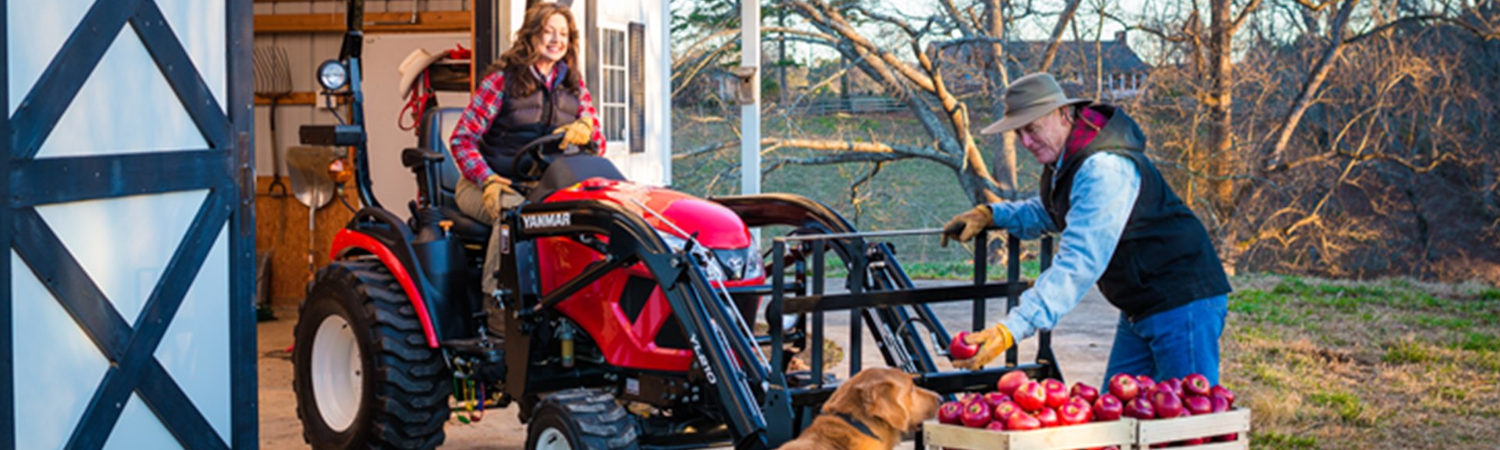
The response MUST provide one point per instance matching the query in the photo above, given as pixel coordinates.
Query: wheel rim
(337, 373)
(553, 439)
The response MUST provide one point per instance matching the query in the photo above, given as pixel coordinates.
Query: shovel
(312, 186)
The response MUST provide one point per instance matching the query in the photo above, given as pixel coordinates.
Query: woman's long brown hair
(526, 51)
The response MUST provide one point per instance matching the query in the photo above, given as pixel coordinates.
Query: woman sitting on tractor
(530, 92)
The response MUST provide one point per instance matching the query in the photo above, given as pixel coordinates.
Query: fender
(347, 240)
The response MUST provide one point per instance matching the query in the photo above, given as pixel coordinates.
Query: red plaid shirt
(481, 112)
(1084, 131)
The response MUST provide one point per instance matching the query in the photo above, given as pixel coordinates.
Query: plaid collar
(1085, 129)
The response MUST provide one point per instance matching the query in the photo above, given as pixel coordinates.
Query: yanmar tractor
(623, 317)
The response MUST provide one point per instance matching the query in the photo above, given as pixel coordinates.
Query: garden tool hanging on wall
(313, 185)
(273, 80)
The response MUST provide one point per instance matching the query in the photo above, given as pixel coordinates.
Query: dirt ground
(1081, 341)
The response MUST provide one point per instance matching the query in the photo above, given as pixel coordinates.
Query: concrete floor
(1081, 341)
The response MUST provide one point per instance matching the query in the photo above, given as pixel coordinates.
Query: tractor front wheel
(363, 374)
(579, 419)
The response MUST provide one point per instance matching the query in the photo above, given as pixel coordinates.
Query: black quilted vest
(1165, 258)
(524, 119)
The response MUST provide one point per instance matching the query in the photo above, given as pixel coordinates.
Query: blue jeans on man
(1172, 343)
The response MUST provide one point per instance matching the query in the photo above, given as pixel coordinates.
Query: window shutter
(637, 44)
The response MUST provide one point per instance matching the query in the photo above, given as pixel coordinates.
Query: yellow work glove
(495, 187)
(967, 224)
(993, 341)
(579, 133)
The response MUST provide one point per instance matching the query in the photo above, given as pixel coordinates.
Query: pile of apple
(1192, 395)
(1020, 403)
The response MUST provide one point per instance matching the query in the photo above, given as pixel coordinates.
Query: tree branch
(1057, 31)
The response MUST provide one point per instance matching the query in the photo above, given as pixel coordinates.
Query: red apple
(994, 398)
(1031, 396)
(1140, 409)
(995, 425)
(1124, 387)
(975, 415)
(1221, 391)
(1076, 411)
(961, 349)
(1198, 405)
(1217, 404)
(1003, 411)
(1145, 382)
(1195, 441)
(964, 397)
(1165, 403)
(1108, 408)
(1057, 392)
(1048, 417)
(1010, 381)
(1088, 393)
(1197, 384)
(1174, 384)
(951, 413)
(1020, 421)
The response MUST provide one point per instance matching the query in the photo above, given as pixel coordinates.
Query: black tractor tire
(588, 419)
(402, 401)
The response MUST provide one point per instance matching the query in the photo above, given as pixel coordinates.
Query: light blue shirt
(1104, 193)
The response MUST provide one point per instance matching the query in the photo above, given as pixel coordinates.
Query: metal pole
(750, 113)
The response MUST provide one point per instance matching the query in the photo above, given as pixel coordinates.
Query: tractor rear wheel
(363, 374)
(579, 419)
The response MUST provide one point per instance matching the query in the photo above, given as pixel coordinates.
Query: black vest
(523, 119)
(1165, 258)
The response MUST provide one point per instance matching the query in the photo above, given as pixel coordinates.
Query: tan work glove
(495, 187)
(579, 133)
(993, 341)
(967, 224)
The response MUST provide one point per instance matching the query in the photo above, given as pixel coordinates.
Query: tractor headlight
(700, 254)
(333, 75)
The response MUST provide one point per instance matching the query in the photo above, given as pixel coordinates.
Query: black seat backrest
(437, 127)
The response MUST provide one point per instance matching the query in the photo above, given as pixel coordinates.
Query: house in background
(1076, 66)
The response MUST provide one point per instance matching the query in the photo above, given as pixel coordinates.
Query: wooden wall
(309, 32)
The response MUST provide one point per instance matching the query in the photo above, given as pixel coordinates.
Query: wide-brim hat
(1028, 99)
(412, 67)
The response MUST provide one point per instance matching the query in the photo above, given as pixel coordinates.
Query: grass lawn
(1392, 364)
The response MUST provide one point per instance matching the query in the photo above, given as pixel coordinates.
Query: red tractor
(623, 313)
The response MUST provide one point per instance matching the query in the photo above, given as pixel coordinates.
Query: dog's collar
(857, 424)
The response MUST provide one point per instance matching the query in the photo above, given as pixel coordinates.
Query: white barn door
(126, 310)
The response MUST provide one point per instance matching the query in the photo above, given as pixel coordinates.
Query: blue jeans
(1172, 343)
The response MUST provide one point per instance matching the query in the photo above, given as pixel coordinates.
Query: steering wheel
(532, 160)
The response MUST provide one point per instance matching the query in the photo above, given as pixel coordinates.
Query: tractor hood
(717, 227)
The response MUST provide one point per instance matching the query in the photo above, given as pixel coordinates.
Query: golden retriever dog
(869, 412)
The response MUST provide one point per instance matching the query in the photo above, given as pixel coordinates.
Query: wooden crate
(1098, 434)
(1182, 428)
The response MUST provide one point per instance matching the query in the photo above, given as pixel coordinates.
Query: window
(614, 69)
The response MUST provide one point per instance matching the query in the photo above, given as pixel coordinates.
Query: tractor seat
(437, 125)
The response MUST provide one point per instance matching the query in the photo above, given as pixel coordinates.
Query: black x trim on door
(223, 169)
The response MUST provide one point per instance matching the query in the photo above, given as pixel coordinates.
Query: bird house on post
(749, 76)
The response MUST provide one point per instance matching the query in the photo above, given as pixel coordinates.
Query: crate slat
(1098, 434)
(1207, 425)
